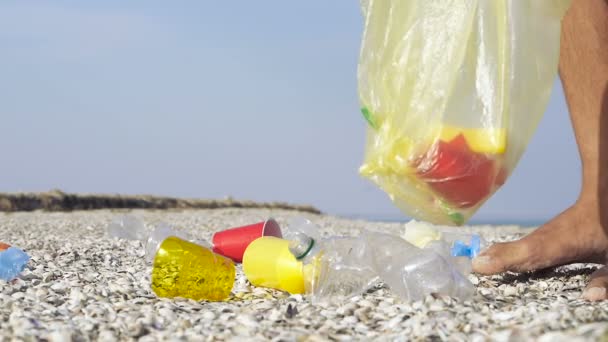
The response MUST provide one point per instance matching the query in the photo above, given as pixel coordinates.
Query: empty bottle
(334, 267)
(128, 227)
(413, 272)
(346, 266)
(131, 227)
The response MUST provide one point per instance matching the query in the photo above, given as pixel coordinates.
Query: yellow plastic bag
(453, 91)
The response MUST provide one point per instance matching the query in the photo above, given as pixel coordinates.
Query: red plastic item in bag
(461, 176)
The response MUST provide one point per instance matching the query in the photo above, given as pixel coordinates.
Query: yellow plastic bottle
(185, 269)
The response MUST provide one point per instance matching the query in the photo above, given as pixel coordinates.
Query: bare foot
(576, 235)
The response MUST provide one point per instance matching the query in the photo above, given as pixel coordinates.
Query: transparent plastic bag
(453, 91)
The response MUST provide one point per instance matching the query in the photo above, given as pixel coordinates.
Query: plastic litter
(12, 261)
(230, 243)
(267, 262)
(181, 266)
(233, 242)
(332, 268)
(305, 262)
(460, 244)
(340, 267)
(453, 92)
(412, 272)
(131, 227)
(185, 269)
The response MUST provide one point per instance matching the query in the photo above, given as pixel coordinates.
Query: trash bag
(453, 91)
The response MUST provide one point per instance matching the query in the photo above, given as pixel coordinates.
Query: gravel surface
(83, 285)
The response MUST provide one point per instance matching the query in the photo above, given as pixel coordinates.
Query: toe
(596, 289)
(501, 257)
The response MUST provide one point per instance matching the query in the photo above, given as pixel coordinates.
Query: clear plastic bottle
(131, 227)
(346, 266)
(413, 272)
(128, 227)
(333, 268)
(461, 263)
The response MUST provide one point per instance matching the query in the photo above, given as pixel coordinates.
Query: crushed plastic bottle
(346, 266)
(462, 264)
(128, 227)
(421, 234)
(12, 261)
(333, 268)
(131, 227)
(412, 272)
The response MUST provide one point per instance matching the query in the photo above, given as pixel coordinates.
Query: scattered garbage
(300, 261)
(230, 243)
(186, 267)
(346, 266)
(12, 261)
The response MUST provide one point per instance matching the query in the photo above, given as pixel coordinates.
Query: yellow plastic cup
(267, 262)
(185, 269)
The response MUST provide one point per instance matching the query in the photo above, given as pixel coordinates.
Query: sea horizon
(472, 222)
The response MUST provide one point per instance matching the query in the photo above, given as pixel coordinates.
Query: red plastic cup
(233, 242)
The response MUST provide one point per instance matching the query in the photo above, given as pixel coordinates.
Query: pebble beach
(82, 285)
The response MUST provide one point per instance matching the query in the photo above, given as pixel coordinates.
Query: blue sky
(255, 100)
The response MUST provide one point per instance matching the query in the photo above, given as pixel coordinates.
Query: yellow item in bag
(453, 91)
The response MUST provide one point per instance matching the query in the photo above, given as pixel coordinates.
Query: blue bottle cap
(462, 249)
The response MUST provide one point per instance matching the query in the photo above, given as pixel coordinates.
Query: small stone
(349, 320)
(63, 335)
(291, 311)
(59, 287)
(18, 295)
(365, 303)
(241, 330)
(246, 320)
(208, 315)
(106, 335)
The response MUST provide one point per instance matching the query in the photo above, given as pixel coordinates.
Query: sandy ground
(83, 285)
